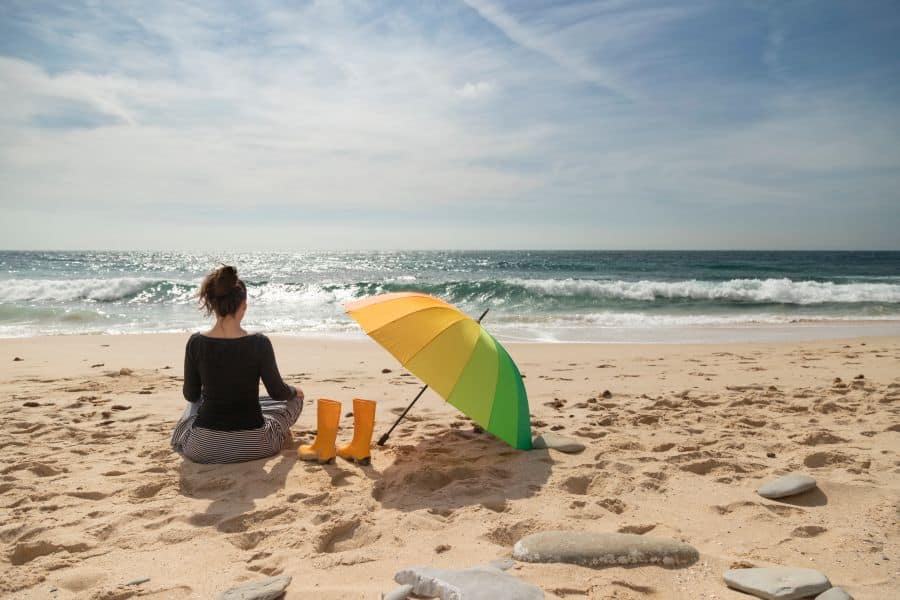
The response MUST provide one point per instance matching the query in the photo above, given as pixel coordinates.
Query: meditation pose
(226, 420)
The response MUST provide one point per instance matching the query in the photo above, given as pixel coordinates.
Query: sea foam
(98, 290)
(761, 291)
(775, 291)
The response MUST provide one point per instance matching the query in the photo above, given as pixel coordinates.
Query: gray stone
(478, 583)
(401, 593)
(777, 583)
(834, 593)
(270, 588)
(602, 549)
(555, 441)
(789, 485)
(138, 581)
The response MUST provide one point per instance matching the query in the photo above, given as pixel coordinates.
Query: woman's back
(226, 420)
(225, 374)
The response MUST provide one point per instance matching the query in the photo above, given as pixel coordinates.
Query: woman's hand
(299, 393)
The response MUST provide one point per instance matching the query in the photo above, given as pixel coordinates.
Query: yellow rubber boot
(363, 424)
(328, 415)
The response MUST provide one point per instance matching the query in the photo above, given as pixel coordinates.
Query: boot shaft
(358, 449)
(323, 448)
(328, 413)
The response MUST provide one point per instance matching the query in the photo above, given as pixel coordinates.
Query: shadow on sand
(814, 497)
(234, 488)
(457, 468)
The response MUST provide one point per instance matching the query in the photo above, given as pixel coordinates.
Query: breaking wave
(768, 291)
(535, 292)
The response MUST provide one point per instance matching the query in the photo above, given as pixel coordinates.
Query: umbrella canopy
(454, 355)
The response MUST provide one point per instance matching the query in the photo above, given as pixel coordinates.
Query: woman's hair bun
(222, 291)
(226, 280)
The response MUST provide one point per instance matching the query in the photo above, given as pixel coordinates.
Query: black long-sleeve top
(225, 372)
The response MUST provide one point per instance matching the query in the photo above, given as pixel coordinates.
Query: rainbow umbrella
(454, 355)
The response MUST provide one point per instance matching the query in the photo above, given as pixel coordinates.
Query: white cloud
(476, 89)
(546, 116)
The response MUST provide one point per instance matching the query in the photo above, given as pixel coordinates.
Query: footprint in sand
(783, 510)
(422, 481)
(342, 478)
(507, 534)
(247, 540)
(346, 535)
(266, 569)
(826, 459)
(102, 532)
(590, 433)
(259, 556)
(25, 552)
(577, 485)
(712, 465)
(654, 480)
(319, 499)
(613, 505)
(148, 490)
(244, 522)
(203, 486)
(88, 495)
(176, 536)
(820, 437)
(203, 519)
(80, 579)
(808, 531)
(38, 468)
(638, 529)
(725, 509)
(159, 523)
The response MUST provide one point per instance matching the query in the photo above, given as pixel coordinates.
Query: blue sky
(471, 124)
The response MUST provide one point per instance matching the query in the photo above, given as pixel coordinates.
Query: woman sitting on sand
(226, 420)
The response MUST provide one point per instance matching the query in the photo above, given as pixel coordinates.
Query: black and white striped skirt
(202, 445)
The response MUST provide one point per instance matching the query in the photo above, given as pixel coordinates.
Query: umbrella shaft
(384, 438)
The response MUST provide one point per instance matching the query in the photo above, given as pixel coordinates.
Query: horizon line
(212, 251)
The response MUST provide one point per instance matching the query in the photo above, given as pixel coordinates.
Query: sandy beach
(678, 439)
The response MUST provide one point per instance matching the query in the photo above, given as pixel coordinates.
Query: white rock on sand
(478, 583)
(270, 588)
(602, 549)
(778, 583)
(834, 593)
(789, 485)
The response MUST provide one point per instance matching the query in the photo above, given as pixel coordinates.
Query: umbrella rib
(496, 381)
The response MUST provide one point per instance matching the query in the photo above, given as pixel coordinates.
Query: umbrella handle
(384, 438)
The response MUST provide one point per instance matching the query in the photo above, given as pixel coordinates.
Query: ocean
(585, 296)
